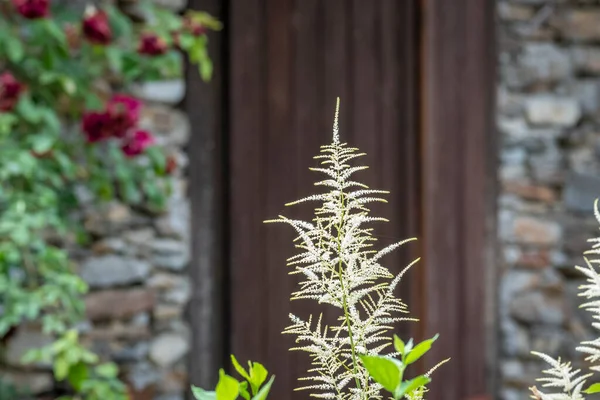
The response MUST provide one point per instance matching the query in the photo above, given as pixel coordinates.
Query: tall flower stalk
(341, 267)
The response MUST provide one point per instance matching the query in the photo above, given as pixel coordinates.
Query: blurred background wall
(548, 117)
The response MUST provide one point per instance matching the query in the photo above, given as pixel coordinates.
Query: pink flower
(96, 27)
(10, 91)
(135, 144)
(32, 9)
(124, 113)
(152, 45)
(96, 126)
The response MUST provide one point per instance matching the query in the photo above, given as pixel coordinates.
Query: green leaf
(227, 387)
(61, 368)
(240, 370)
(115, 58)
(42, 143)
(595, 388)
(258, 374)
(408, 347)
(28, 110)
(77, 375)
(263, 393)
(398, 344)
(54, 31)
(419, 350)
(107, 370)
(384, 370)
(119, 22)
(14, 48)
(409, 386)
(244, 390)
(201, 394)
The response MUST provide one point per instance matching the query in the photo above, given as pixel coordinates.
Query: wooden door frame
(458, 191)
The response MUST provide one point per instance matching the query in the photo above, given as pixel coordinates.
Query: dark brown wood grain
(416, 82)
(458, 87)
(290, 60)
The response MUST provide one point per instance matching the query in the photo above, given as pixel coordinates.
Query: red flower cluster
(32, 9)
(152, 45)
(136, 143)
(118, 120)
(96, 27)
(10, 91)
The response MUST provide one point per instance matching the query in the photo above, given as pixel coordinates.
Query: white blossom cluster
(340, 267)
(570, 383)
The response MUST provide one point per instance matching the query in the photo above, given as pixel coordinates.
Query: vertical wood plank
(248, 193)
(458, 84)
(278, 170)
(396, 163)
(480, 194)
(207, 311)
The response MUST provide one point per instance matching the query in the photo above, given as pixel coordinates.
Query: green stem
(345, 299)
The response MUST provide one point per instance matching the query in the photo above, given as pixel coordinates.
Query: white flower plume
(341, 267)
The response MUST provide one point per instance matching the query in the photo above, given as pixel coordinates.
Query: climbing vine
(67, 121)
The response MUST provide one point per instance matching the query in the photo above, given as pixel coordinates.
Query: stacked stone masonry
(549, 121)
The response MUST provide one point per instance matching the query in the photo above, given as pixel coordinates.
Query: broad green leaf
(61, 368)
(240, 370)
(409, 386)
(78, 373)
(55, 31)
(42, 143)
(264, 392)
(14, 48)
(201, 394)
(28, 110)
(384, 370)
(258, 374)
(228, 387)
(419, 350)
(398, 344)
(119, 22)
(595, 388)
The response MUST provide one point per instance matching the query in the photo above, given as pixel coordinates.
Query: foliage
(561, 375)
(341, 269)
(229, 388)
(66, 122)
(389, 372)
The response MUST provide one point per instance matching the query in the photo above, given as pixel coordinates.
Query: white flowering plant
(561, 376)
(355, 359)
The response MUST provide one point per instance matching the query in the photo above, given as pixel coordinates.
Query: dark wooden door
(416, 81)
(289, 61)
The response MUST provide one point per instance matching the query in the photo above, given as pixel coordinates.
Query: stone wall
(136, 270)
(549, 121)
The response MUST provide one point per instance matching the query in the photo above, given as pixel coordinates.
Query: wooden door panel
(289, 61)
